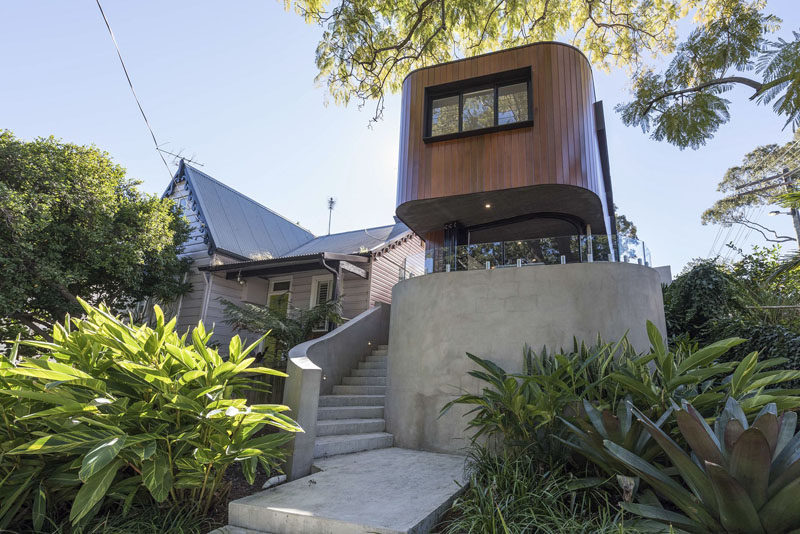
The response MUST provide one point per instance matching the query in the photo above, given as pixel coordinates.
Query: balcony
(528, 253)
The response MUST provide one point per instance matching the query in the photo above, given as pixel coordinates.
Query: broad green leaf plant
(112, 412)
(738, 477)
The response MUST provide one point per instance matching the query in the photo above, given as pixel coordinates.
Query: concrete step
(337, 427)
(349, 412)
(368, 372)
(359, 390)
(380, 352)
(372, 358)
(383, 347)
(383, 491)
(372, 365)
(332, 445)
(364, 381)
(326, 401)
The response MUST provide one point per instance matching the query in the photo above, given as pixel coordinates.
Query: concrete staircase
(351, 419)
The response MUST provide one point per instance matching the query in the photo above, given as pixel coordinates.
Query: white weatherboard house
(242, 251)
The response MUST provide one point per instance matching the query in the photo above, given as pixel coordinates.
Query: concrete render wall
(436, 319)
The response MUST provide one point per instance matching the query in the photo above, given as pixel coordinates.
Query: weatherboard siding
(355, 293)
(387, 264)
(196, 249)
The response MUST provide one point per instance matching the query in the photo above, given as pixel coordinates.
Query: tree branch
(755, 85)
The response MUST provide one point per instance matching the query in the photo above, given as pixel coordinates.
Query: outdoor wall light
(239, 279)
(487, 206)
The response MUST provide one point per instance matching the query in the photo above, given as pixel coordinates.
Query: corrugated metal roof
(352, 242)
(239, 224)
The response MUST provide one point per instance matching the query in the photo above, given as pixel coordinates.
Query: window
(321, 292)
(279, 293)
(444, 115)
(473, 106)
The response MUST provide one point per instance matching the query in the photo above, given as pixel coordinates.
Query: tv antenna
(179, 156)
(331, 204)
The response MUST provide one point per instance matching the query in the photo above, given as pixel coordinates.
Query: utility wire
(130, 84)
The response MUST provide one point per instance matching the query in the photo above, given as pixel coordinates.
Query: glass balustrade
(532, 252)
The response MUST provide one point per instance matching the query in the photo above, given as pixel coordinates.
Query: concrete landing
(383, 491)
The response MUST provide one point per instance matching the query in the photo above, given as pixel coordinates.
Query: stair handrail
(315, 366)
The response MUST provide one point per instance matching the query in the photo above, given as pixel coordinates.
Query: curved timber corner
(535, 172)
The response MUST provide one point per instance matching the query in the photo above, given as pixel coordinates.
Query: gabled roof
(240, 227)
(352, 242)
(237, 224)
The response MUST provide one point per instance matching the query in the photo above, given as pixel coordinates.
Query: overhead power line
(130, 84)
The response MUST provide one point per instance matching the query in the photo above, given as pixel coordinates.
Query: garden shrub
(603, 402)
(110, 413)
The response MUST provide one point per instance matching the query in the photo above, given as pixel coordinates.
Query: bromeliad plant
(589, 434)
(738, 478)
(110, 411)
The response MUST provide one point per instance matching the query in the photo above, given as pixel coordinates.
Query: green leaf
(100, 456)
(785, 431)
(749, 464)
(742, 374)
(695, 478)
(39, 508)
(664, 516)
(665, 485)
(708, 354)
(698, 435)
(157, 476)
(93, 491)
(736, 510)
(781, 513)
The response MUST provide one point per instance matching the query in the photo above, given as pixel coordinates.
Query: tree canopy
(368, 47)
(72, 224)
(684, 104)
(765, 174)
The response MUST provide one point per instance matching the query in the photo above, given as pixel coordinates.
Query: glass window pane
(444, 115)
(512, 103)
(281, 286)
(478, 110)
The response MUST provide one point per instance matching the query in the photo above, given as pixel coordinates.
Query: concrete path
(384, 491)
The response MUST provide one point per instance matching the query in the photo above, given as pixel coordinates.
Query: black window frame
(462, 87)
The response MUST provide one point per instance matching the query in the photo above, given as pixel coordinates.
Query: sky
(231, 85)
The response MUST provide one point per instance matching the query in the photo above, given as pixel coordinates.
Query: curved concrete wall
(437, 318)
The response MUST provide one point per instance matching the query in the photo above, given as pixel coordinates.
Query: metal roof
(239, 224)
(352, 242)
(241, 227)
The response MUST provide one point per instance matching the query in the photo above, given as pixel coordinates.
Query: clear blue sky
(232, 84)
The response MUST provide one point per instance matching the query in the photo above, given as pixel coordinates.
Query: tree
(684, 104)
(368, 47)
(72, 224)
(765, 173)
(287, 328)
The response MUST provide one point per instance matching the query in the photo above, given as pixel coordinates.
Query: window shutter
(322, 292)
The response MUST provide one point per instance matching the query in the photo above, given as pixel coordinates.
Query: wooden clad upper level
(552, 162)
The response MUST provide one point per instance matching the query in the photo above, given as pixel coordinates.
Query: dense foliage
(72, 224)
(111, 413)
(753, 298)
(288, 327)
(753, 183)
(516, 493)
(367, 48)
(685, 105)
(611, 414)
(739, 477)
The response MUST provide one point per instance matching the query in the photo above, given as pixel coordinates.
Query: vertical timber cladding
(560, 148)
